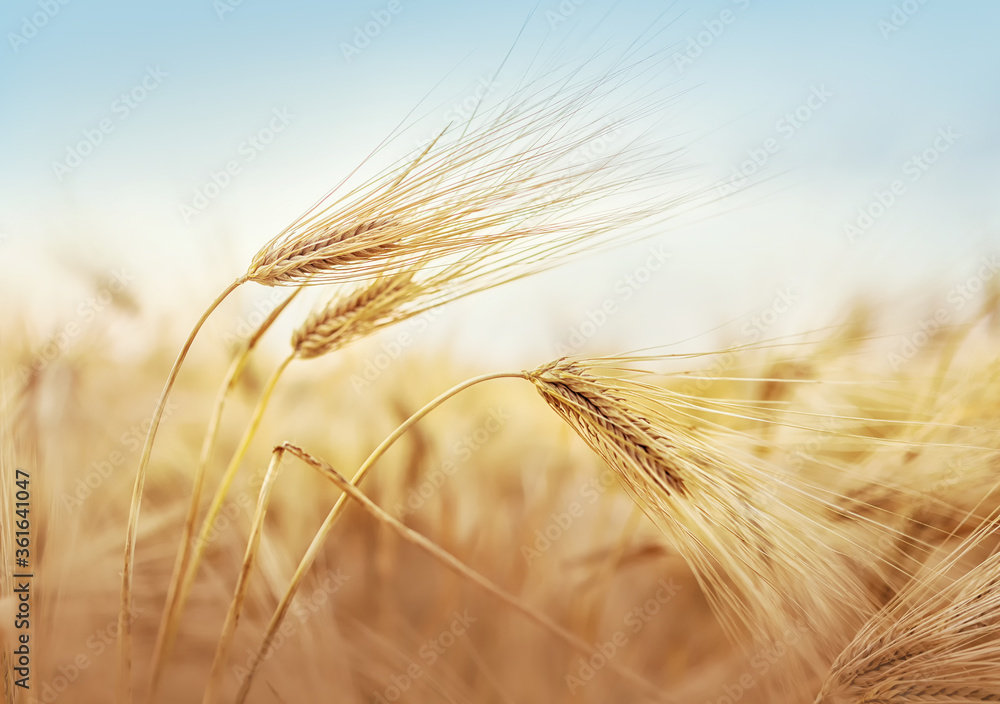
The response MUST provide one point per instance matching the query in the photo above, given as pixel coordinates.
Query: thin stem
(124, 693)
(317, 543)
(458, 567)
(161, 651)
(243, 581)
(201, 542)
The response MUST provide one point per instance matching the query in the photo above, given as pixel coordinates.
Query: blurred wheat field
(495, 479)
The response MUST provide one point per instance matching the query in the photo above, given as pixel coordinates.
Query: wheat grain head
(751, 536)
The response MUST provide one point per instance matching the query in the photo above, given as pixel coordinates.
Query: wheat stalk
(316, 545)
(450, 561)
(167, 629)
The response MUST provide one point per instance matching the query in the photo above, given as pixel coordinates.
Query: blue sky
(894, 75)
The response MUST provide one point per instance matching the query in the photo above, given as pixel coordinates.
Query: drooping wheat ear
(937, 641)
(349, 318)
(642, 455)
(310, 255)
(749, 533)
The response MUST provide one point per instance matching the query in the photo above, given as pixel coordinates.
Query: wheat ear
(298, 260)
(937, 641)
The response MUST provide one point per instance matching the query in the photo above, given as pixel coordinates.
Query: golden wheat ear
(751, 536)
(938, 641)
(357, 315)
(299, 259)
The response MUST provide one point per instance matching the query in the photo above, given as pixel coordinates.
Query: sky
(851, 147)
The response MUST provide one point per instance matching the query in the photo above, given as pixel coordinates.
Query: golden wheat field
(303, 467)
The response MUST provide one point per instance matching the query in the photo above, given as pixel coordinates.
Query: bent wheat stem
(317, 543)
(411, 536)
(236, 607)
